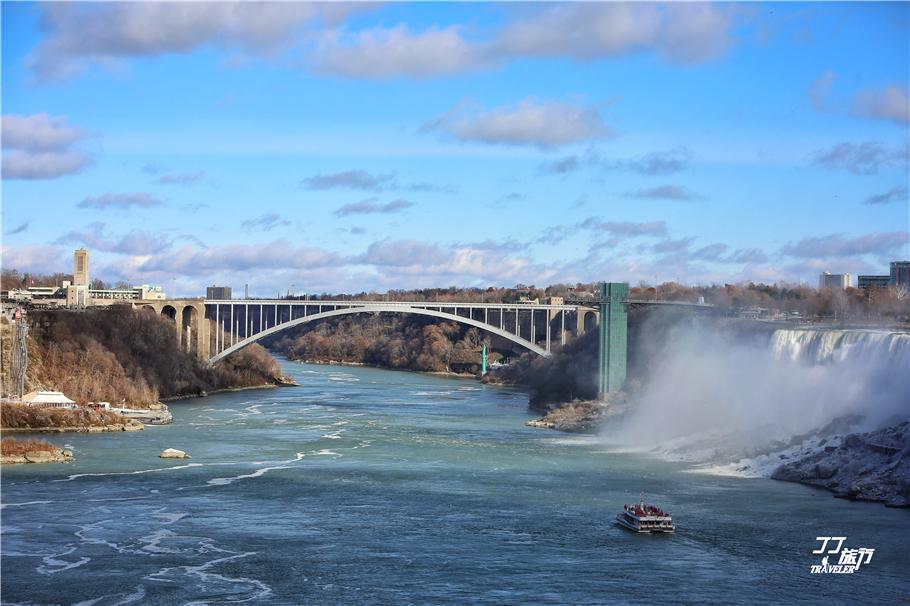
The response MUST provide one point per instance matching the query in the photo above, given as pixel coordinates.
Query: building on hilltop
(218, 293)
(899, 276)
(79, 294)
(836, 281)
(81, 268)
(900, 273)
(873, 281)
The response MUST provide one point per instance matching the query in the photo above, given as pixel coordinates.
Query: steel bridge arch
(375, 309)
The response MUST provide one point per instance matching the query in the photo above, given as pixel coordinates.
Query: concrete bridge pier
(586, 320)
(191, 326)
(614, 328)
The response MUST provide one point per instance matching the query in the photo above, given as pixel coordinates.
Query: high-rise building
(873, 281)
(219, 293)
(80, 268)
(900, 273)
(839, 281)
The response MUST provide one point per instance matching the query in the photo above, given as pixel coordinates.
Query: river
(365, 486)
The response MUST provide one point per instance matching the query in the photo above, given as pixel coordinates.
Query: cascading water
(712, 396)
(890, 349)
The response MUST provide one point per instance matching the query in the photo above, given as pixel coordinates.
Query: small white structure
(47, 399)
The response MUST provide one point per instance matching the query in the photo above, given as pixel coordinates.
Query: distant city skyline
(349, 147)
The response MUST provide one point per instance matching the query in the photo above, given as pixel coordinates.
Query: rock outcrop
(173, 453)
(580, 416)
(872, 466)
(38, 456)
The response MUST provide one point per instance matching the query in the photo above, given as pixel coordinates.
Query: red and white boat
(643, 517)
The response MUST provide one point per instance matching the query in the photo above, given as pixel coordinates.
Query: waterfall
(709, 392)
(824, 347)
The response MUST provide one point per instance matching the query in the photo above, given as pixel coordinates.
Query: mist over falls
(712, 394)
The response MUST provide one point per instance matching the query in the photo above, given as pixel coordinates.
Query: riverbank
(280, 382)
(435, 373)
(872, 466)
(15, 452)
(128, 425)
(19, 418)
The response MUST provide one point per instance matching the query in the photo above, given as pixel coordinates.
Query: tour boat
(642, 517)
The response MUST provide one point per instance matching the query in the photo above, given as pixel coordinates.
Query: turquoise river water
(366, 486)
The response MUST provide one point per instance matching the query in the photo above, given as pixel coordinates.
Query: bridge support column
(614, 328)
(203, 339)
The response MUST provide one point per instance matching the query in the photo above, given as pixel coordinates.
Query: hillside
(121, 355)
(387, 341)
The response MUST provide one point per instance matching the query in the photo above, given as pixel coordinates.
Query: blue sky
(349, 147)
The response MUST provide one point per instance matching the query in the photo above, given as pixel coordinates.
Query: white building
(47, 399)
(837, 281)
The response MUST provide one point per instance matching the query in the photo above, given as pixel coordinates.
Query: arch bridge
(214, 329)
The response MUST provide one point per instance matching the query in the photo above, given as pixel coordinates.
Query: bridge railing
(533, 325)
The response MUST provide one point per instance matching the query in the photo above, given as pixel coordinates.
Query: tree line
(385, 340)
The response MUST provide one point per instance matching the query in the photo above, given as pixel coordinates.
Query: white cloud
(372, 206)
(820, 88)
(349, 179)
(125, 200)
(837, 245)
(659, 162)
(862, 158)
(890, 103)
(626, 228)
(80, 34)
(268, 256)
(378, 53)
(181, 178)
(34, 258)
(136, 242)
(895, 194)
(266, 222)
(38, 133)
(583, 31)
(50, 165)
(666, 192)
(530, 122)
(681, 33)
(41, 147)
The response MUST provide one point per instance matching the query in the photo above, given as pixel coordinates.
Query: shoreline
(226, 390)
(436, 373)
(129, 426)
(60, 455)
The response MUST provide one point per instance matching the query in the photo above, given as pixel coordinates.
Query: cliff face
(125, 355)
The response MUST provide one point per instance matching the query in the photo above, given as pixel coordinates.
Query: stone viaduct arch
(190, 328)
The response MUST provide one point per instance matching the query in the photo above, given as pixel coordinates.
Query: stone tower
(80, 268)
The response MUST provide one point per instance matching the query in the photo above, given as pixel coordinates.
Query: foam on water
(53, 564)
(256, 474)
(24, 504)
(76, 476)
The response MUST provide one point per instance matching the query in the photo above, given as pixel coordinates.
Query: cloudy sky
(357, 147)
